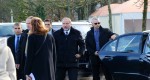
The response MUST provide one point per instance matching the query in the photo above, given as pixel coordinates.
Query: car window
(147, 46)
(129, 43)
(111, 46)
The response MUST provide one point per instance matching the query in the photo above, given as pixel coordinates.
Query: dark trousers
(96, 69)
(20, 74)
(61, 73)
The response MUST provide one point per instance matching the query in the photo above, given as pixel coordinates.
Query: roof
(130, 6)
(104, 10)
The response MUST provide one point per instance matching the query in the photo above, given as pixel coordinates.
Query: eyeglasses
(97, 23)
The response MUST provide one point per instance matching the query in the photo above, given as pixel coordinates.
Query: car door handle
(108, 57)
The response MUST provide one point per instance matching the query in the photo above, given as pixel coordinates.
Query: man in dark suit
(13, 43)
(22, 46)
(95, 39)
(69, 48)
(48, 24)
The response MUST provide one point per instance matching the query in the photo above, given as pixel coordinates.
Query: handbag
(41, 45)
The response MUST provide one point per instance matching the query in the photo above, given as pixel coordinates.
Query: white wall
(104, 21)
(118, 21)
(117, 24)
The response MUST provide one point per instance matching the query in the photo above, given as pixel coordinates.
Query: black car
(127, 57)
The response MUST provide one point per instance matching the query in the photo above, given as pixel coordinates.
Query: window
(129, 44)
(111, 46)
(147, 46)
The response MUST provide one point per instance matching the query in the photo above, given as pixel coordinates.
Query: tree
(20, 11)
(108, 2)
(5, 11)
(40, 11)
(144, 15)
(110, 15)
(145, 6)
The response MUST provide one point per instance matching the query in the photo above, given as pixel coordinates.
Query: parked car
(127, 57)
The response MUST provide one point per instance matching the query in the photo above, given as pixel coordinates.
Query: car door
(121, 56)
(145, 59)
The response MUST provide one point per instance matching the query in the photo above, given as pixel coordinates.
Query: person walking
(13, 44)
(69, 47)
(41, 52)
(7, 63)
(95, 39)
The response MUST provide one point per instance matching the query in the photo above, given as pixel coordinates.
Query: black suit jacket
(68, 46)
(21, 51)
(104, 37)
(11, 45)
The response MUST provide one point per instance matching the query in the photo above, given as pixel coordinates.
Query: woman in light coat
(7, 64)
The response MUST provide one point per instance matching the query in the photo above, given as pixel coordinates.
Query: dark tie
(66, 33)
(17, 44)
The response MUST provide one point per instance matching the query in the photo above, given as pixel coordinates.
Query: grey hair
(66, 18)
(94, 18)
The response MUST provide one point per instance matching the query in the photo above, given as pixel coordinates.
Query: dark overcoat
(41, 57)
(21, 51)
(104, 36)
(11, 45)
(68, 46)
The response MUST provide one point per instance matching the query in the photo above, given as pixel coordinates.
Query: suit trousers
(96, 70)
(71, 71)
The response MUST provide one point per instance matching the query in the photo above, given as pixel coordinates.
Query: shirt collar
(96, 29)
(67, 31)
(18, 36)
(50, 31)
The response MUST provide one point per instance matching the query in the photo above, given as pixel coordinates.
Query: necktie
(17, 44)
(66, 32)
